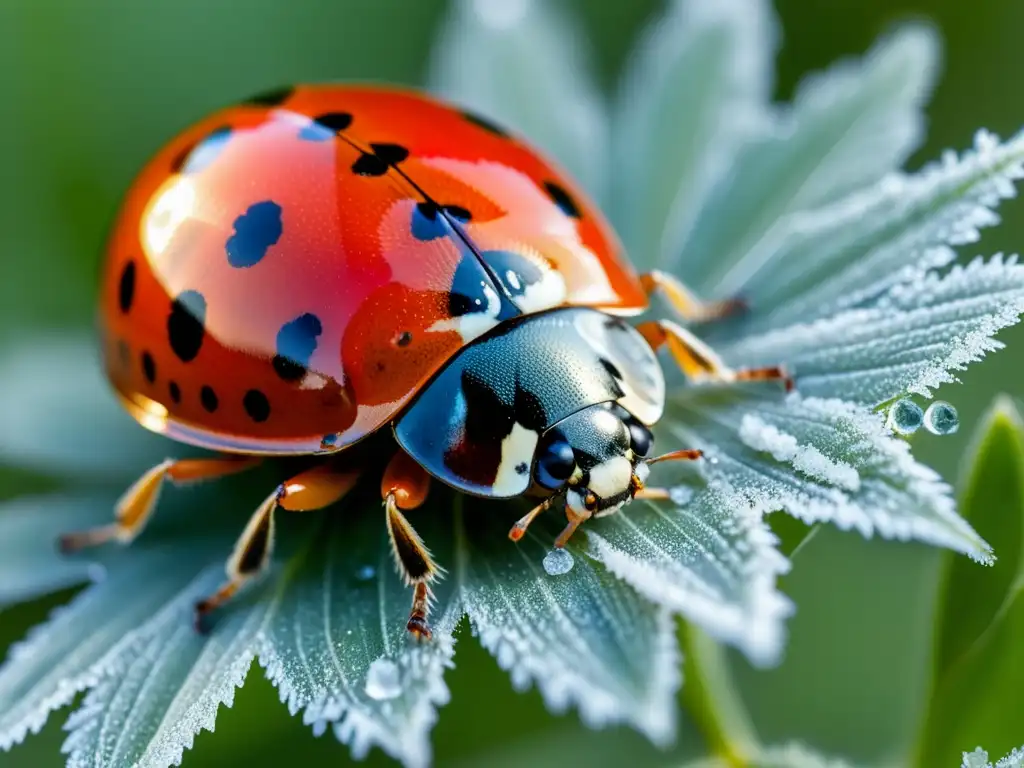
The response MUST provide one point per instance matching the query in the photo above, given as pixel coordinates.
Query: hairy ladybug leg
(685, 302)
(136, 506)
(315, 488)
(699, 362)
(405, 486)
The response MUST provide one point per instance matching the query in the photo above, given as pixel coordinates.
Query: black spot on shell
(256, 405)
(296, 343)
(175, 392)
(486, 123)
(272, 98)
(612, 368)
(516, 272)
(255, 231)
(186, 325)
(126, 287)
(427, 224)
(560, 197)
(458, 213)
(208, 398)
(469, 292)
(326, 126)
(404, 339)
(148, 367)
(379, 160)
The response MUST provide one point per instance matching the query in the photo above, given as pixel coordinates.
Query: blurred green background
(93, 87)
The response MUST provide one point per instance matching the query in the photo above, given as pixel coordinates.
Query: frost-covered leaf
(335, 643)
(30, 563)
(977, 676)
(697, 86)
(58, 415)
(711, 558)
(524, 64)
(910, 340)
(851, 252)
(820, 460)
(978, 758)
(847, 128)
(584, 638)
(83, 640)
(167, 686)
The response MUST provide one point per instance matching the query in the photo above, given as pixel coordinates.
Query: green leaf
(584, 637)
(821, 460)
(793, 533)
(978, 758)
(335, 642)
(518, 64)
(30, 563)
(978, 674)
(696, 87)
(82, 641)
(710, 558)
(992, 498)
(166, 687)
(847, 128)
(59, 416)
(796, 755)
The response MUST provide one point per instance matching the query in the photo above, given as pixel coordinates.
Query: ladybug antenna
(687, 454)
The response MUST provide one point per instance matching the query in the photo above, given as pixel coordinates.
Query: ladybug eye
(555, 463)
(640, 438)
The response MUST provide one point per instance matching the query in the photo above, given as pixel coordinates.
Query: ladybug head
(597, 456)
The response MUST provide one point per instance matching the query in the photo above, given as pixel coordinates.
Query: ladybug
(325, 263)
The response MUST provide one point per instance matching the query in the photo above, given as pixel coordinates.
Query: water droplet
(941, 418)
(383, 680)
(366, 572)
(557, 562)
(905, 417)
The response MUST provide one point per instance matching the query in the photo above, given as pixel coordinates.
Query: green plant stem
(710, 696)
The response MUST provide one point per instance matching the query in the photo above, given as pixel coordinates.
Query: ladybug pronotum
(323, 264)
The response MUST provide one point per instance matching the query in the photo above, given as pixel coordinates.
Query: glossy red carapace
(274, 275)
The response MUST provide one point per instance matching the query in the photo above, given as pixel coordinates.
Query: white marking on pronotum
(548, 292)
(473, 324)
(518, 448)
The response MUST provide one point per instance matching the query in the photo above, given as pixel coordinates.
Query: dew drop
(366, 572)
(681, 495)
(941, 418)
(557, 562)
(383, 680)
(905, 417)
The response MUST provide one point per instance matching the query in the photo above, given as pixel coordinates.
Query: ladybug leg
(698, 361)
(315, 488)
(405, 486)
(684, 301)
(576, 519)
(135, 507)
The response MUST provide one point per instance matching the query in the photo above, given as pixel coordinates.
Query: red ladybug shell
(285, 275)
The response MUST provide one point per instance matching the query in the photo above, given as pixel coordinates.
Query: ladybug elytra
(321, 264)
